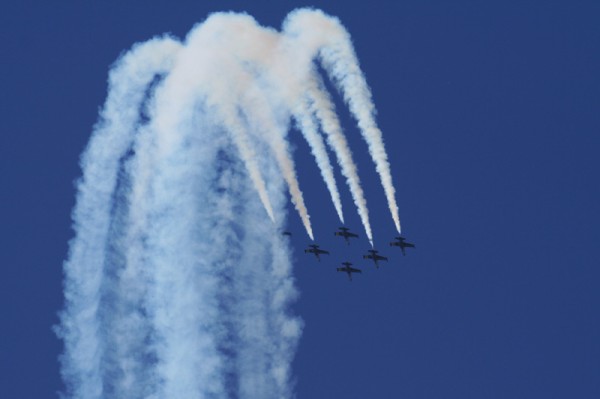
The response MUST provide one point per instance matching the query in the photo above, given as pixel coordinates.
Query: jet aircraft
(376, 258)
(345, 232)
(402, 244)
(314, 249)
(348, 269)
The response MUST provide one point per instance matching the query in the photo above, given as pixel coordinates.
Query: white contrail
(80, 327)
(263, 121)
(177, 283)
(324, 109)
(325, 37)
(255, 46)
(251, 48)
(341, 62)
(185, 108)
(247, 153)
(230, 259)
(307, 126)
(196, 72)
(268, 336)
(182, 283)
(282, 68)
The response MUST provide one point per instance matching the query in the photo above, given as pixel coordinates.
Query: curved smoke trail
(325, 37)
(178, 284)
(81, 327)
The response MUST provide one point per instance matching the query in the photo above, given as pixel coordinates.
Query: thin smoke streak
(324, 109)
(308, 127)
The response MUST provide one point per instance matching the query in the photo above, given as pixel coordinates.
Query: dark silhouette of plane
(345, 232)
(286, 233)
(314, 249)
(348, 269)
(376, 258)
(402, 244)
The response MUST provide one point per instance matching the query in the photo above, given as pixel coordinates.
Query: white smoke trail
(264, 122)
(174, 130)
(247, 153)
(81, 329)
(253, 45)
(231, 96)
(324, 35)
(341, 62)
(177, 285)
(307, 126)
(324, 109)
(196, 72)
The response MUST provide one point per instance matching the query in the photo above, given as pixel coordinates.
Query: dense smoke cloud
(178, 283)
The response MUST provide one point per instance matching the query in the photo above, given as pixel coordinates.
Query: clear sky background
(491, 119)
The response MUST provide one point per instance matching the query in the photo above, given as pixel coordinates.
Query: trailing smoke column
(178, 283)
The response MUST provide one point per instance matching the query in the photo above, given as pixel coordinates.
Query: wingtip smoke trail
(173, 257)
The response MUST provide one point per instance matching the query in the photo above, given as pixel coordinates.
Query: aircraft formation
(371, 254)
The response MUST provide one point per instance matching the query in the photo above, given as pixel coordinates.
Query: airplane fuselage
(314, 249)
(348, 270)
(346, 234)
(402, 244)
(375, 257)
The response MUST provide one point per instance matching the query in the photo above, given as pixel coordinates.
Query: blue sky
(490, 117)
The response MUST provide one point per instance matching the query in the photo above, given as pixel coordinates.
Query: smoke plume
(178, 282)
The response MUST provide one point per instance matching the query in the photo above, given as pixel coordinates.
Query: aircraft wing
(353, 270)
